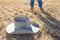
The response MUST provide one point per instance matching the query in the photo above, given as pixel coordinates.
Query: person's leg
(40, 4)
(32, 4)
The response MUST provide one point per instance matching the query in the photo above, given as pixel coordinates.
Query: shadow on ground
(23, 36)
(35, 36)
(51, 24)
(19, 37)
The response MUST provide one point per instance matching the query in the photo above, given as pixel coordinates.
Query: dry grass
(49, 22)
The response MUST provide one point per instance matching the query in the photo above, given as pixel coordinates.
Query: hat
(22, 25)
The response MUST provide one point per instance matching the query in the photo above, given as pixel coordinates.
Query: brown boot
(32, 8)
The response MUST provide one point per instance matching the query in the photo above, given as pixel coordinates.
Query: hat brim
(34, 28)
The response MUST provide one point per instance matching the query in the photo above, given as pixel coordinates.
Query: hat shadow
(19, 36)
(24, 36)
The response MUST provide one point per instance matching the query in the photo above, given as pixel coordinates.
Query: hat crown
(21, 21)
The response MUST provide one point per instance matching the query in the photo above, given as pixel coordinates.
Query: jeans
(39, 3)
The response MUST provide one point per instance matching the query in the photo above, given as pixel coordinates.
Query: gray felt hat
(22, 25)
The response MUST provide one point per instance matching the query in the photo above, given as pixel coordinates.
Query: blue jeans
(39, 3)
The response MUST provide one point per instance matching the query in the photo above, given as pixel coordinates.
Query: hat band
(22, 27)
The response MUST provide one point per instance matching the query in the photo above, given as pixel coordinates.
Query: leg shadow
(51, 23)
(52, 19)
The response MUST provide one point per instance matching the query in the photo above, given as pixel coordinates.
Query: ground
(48, 19)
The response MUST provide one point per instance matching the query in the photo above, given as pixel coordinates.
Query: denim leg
(32, 2)
(40, 3)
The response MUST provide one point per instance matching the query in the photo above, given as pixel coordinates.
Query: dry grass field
(49, 20)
